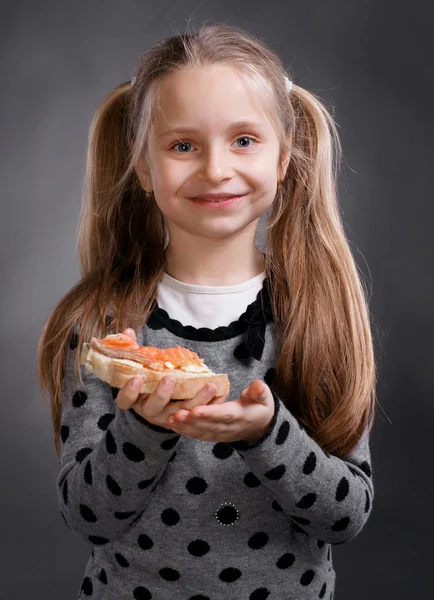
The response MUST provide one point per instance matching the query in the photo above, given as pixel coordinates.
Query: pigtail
(326, 369)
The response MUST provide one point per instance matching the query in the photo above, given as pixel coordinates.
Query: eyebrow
(234, 126)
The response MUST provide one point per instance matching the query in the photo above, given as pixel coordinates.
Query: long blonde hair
(326, 372)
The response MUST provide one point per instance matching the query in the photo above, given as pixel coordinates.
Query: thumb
(258, 391)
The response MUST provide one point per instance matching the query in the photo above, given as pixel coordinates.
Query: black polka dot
(300, 520)
(169, 574)
(115, 392)
(73, 341)
(124, 515)
(170, 516)
(341, 524)
(241, 351)
(113, 486)
(276, 506)
(172, 458)
(366, 468)
(309, 464)
(88, 473)
(342, 490)
(145, 483)
(230, 574)
(122, 561)
(110, 443)
(132, 452)
(227, 515)
(64, 433)
(87, 514)
(285, 561)
(329, 553)
(367, 502)
(222, 450)
(282, 434)
(270, 377)
(276, 473)
(259, 594)
(65, 491)
(199, 597)
(251, 480)
(198, 548)
(307, 577)
(307, 501)
(145, 542)
(79, 398)
(258, 540)
(196, 485)
(102, 576)
(323, 591)
(105, 421)
(170, 443)
(142, 593)
(87, 587)
(81, 454)
(320, 543)
(98, 540)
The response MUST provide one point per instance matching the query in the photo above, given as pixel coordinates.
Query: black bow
(257, 316)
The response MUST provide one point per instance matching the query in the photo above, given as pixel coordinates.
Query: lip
(215, 204)
(219, 196)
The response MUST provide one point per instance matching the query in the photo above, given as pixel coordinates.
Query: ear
(143, 175)
(284, 164)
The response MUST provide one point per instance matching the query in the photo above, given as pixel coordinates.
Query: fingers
(159, 399)
(131, 333)
(204, 396)
(129, 393)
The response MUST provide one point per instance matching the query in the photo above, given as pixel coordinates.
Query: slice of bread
(118, 371)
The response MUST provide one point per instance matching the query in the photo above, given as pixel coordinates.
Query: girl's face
(210, 135)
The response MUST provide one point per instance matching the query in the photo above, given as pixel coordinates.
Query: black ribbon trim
(257, 317)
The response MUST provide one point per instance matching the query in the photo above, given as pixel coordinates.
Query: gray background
(373, 61)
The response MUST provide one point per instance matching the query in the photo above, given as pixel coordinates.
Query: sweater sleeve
(111, 459)
(325, 496)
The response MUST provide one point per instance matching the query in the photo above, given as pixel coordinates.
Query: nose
(215, 164)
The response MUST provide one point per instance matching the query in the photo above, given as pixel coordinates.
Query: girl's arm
(111, 459)
(326, 497)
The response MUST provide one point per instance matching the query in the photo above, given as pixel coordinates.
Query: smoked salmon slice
(119, 345)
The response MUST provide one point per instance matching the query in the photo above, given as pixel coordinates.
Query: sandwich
(117, 358)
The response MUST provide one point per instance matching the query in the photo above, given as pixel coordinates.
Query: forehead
(209, 99)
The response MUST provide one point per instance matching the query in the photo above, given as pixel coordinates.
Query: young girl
(241, 496)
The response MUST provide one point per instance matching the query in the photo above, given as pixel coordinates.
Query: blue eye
(188, 143)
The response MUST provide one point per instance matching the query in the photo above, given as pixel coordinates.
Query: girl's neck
(213, 262)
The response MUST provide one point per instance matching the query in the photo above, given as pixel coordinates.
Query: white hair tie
(288, 84)
(133, 81)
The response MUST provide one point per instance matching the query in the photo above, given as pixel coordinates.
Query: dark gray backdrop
(373, 61)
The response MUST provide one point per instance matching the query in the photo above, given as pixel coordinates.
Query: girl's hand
(246, 418)
(157, 407)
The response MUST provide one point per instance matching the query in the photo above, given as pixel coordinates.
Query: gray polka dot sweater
(170, 517)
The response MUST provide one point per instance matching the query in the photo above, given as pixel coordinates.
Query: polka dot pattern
(88, 473)
(110, 443)
(79, 399)
(230, 574)
(208, 495)
(113, 486)
(309, 464)
(133, 453)
(64, 433)
(81, 454)
(87, 587)
(105, 420)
